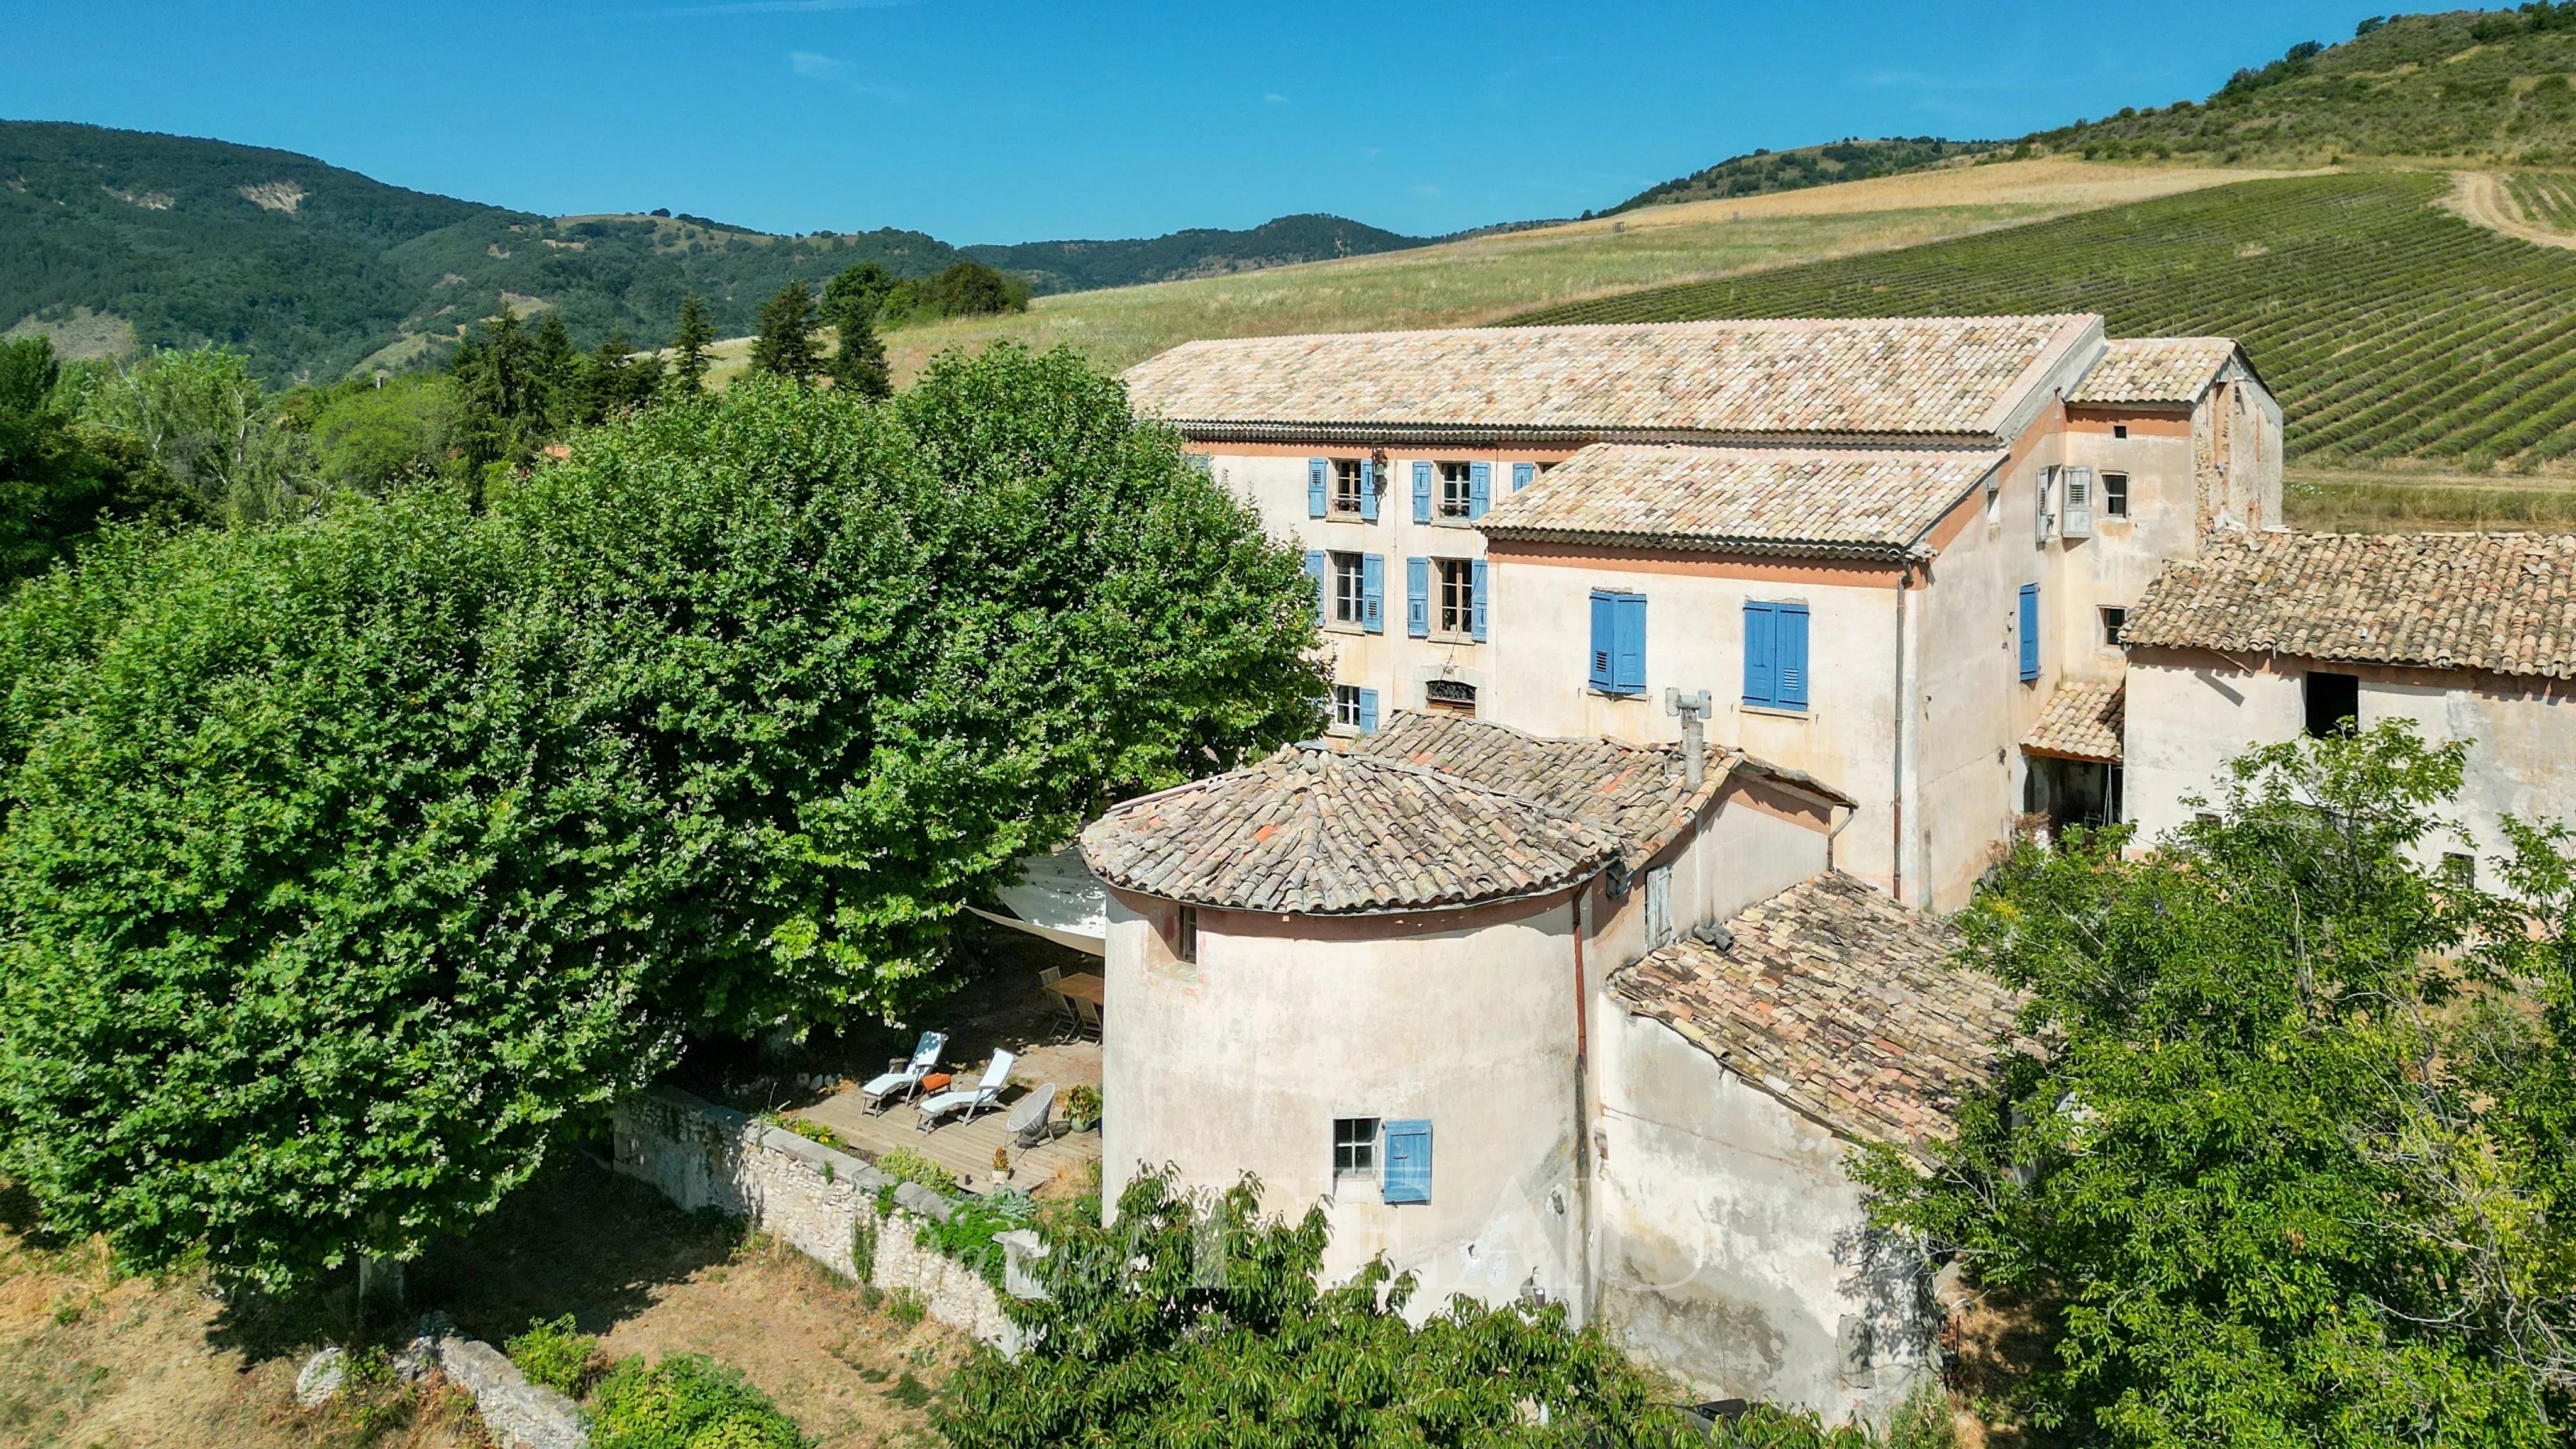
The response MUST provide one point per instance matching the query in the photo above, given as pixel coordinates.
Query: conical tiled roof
(1313, 831)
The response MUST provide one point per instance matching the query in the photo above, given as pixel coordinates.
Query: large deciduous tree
(342, 862)
(2295, 1159)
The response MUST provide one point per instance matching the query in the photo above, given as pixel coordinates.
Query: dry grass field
(1467, 282)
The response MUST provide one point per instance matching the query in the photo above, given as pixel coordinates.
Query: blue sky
(994, 120)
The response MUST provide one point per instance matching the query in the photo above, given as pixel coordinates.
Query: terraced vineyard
(2388, 328)
(2546, 199)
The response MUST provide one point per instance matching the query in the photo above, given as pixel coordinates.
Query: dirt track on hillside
(2479, 197)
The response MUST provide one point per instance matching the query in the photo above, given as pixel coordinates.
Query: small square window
(1350, 603)
(1448, 696)
(1454, 489)
(1354, 1149)
(2113, 621)
(2115, 495)
(1185, 935)
(1346, 706)
(2119, 430)
(1347, 482)
(2334, 702)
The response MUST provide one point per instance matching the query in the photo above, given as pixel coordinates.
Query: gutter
(1387, 434)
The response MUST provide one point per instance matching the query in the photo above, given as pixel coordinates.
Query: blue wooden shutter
(1323, 598)
(1318, 478)
(1791, 654)
(1373, 592)
(1522, 473)
(1480, 490)
(1368, 710)
(1422, 493)
(1477, 582)
(1605, 636)
(2029, 632)
(1631, 669)
(1761, 654)
(1368, 490)
(1408, 1162)
(1417, 597)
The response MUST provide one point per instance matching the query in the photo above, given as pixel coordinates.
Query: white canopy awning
(1058, 898)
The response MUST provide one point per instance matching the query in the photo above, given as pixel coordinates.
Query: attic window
(1449, 696)
(2119, 430)
(2334, 702)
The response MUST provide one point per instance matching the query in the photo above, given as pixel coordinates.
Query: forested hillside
(2389, 328)
(1763, 172)
(310, 270)
(2480, 84)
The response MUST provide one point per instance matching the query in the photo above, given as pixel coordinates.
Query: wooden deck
(966, 1148)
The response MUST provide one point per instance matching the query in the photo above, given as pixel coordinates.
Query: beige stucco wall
(1393, 663)
(1734, 1254)
(2191, 711)
(1242, 1061)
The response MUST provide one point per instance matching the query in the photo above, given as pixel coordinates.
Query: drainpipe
(1896, 792)
(1582, 1122)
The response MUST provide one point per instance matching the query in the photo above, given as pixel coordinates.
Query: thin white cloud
(1276, 99)
(807, 63)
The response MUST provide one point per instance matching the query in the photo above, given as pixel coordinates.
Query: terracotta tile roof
(1493, 813)
(2154, 370)
(2080, 722)
(1833, 502)
(2504, 603)
(1314, 831)
(1840, 1003)
(1957, 376)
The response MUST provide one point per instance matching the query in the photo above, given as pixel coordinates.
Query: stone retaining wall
(812, 1197)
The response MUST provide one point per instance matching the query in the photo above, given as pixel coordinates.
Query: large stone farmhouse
(1683, 674)
(1880, 546)
(2470, 636)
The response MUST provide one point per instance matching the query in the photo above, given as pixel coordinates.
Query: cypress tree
(785, 346)
(689, 345)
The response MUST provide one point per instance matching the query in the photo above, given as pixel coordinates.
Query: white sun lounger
(969, 1099)
(905, 1077)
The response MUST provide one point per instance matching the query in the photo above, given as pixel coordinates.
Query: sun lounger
(972, 1099)
(903, 1078)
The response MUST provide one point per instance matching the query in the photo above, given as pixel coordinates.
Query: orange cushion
(936, 1081)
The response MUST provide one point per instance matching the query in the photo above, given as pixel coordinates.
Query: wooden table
(1083, 985)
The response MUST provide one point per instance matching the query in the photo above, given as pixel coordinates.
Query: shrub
(686, 1401)
(554, 1355)
(967, 1237)
(906, 1308)
(1082, 1102)
(905, 1165)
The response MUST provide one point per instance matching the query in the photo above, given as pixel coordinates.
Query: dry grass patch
(2329, 500)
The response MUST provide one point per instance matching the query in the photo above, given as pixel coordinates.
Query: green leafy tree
(59, 481)
(2295, 1156)
(1194, 1320)
(689, 346)
(342, 864)
(861, 287)
(785, 347)
(211, 427)
(368, 435)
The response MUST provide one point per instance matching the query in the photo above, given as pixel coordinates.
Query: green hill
(1763, 172)
(2467, 83)
(312, 271)
(2389, 328)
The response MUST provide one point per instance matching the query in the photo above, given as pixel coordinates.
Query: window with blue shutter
(1318, 480)
(1522, 474)
(1628, 671)
(1368, 490)
(1481, 591)
(1315, 571)
(1775, 655)
(1422, 493)
(1373, 592)
(1417, 597)
(1368, 710)
(1605, 632)
(1480, 490)
(1408, 1162)
(2029, 632)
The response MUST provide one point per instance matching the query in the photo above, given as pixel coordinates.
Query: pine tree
(785, 346)
(859, 363)
(689, 346)
(612, 382)
(554, 372)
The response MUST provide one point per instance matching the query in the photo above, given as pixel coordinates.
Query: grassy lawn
(2388, 501)
(1467, 282)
